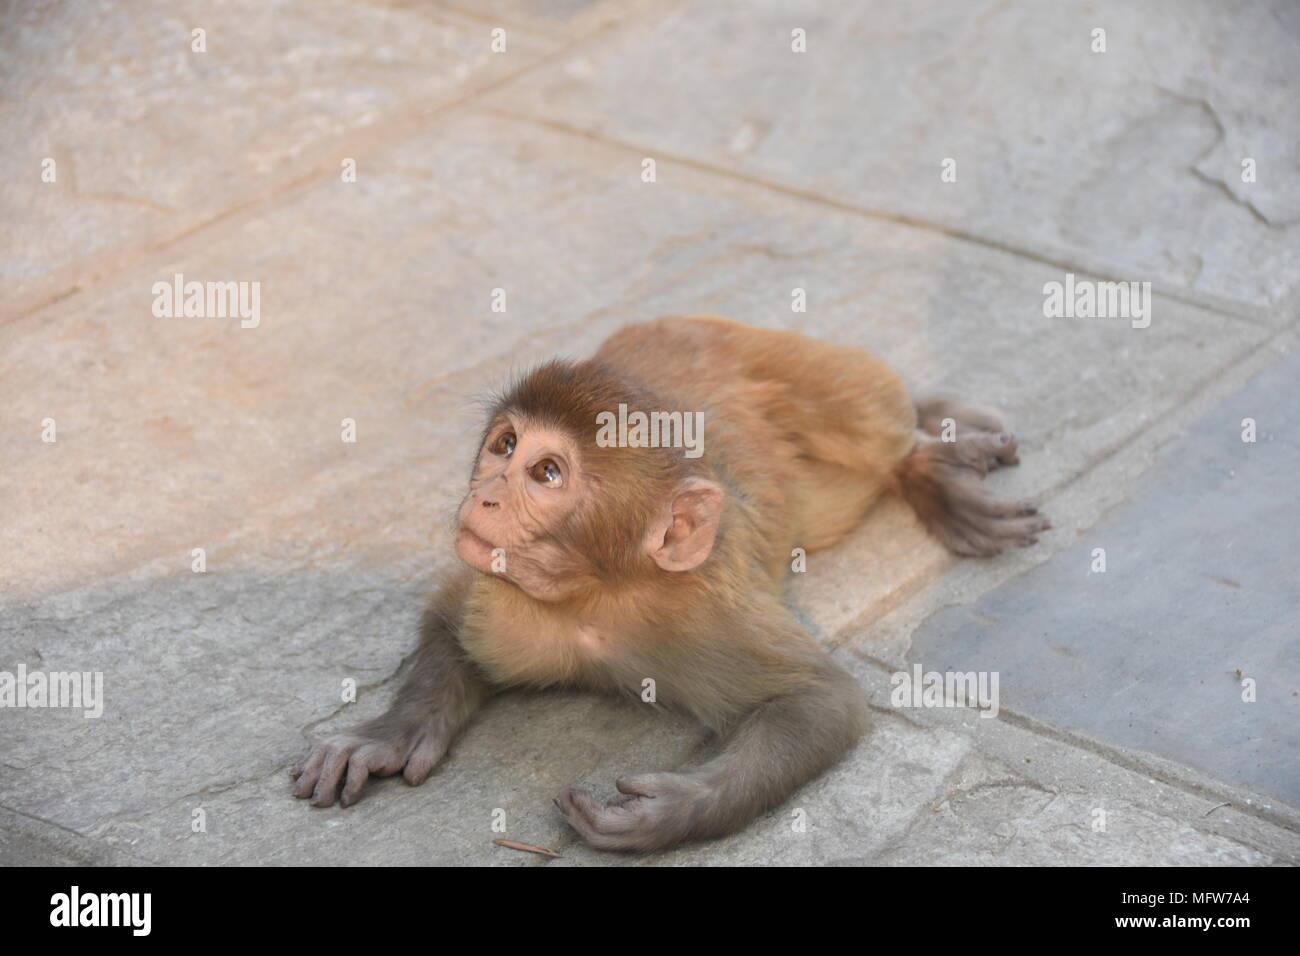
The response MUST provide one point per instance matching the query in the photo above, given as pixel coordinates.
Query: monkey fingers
(660, 813)
(426, 754)
(348, 760)
(616, 827)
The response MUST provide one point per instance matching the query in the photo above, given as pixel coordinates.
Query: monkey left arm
(776, 747)
(440, 693)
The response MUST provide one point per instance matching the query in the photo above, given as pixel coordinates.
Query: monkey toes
(986, 451)
(933, 414)
(943, 483)
(982, 525)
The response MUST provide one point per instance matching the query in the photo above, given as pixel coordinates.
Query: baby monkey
(593, 564)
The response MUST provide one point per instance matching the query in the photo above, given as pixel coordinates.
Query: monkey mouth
(482, 542)
(473, 549)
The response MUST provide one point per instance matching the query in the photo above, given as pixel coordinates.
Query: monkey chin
(473, 550)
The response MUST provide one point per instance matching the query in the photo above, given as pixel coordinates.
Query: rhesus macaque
(599, 567)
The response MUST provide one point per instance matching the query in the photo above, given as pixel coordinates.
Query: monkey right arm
(440, 693)
(785, 709)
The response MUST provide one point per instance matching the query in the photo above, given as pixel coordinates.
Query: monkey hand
(665, 809)
(382, 747)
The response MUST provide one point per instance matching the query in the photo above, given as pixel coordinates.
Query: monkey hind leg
(829, 500)
(943, 482)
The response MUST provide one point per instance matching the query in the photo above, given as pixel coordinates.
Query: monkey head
(556, 514)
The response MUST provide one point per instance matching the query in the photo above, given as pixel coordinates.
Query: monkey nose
(491, 504)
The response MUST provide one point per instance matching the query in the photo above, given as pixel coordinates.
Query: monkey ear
(682, 537)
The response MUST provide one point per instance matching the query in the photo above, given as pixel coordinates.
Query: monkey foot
(939, 415)
(982, 525)
(943, 482)
(985, 451)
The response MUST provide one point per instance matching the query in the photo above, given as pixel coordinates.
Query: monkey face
(526, 482)
(556, 511)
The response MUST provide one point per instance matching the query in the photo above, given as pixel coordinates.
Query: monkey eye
(546, 472)
(504, 445)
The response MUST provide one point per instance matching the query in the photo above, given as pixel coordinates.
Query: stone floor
(1125, 732)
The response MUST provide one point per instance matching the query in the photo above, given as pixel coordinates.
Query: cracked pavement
(1122, 735)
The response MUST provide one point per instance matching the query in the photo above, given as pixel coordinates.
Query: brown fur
(800, 438)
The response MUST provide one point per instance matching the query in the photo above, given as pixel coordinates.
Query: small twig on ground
(526, 847)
